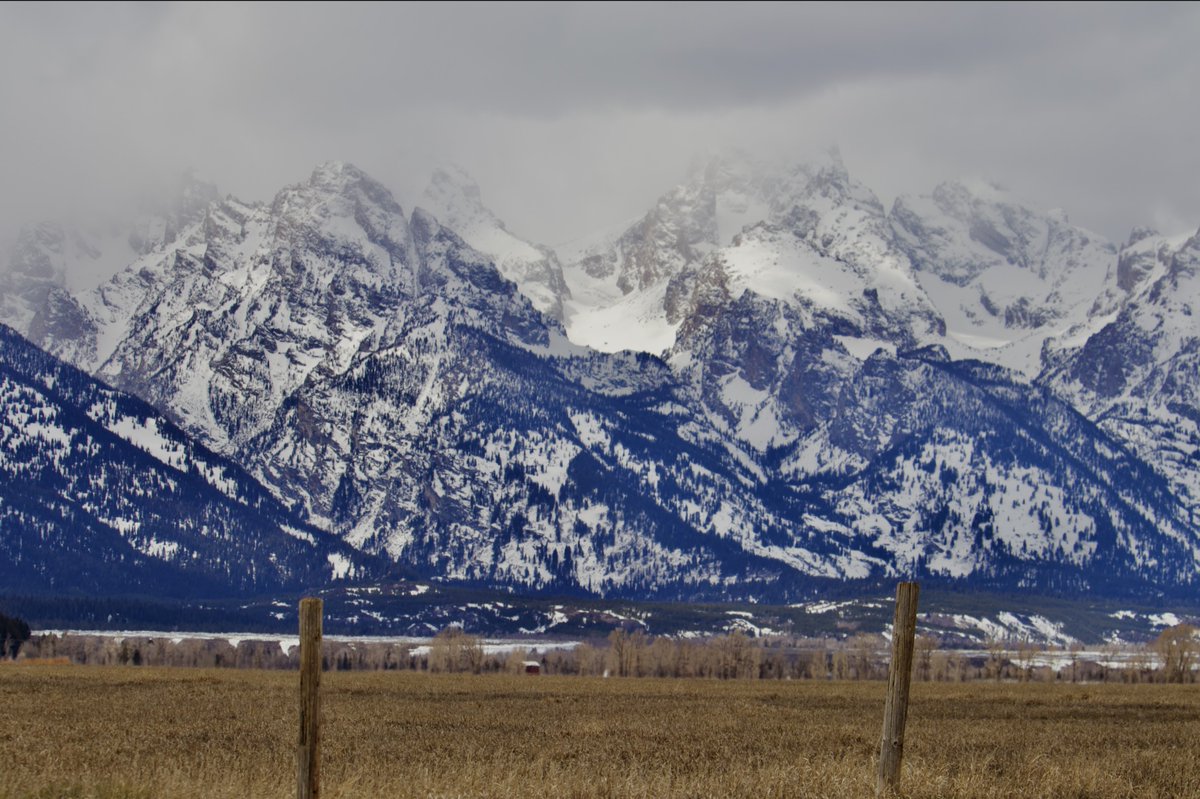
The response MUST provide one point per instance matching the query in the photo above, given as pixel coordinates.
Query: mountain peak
(956, 197)
(1139, 234)
(191, 189)
(453, 178)
(424, 227)
(337, 176)
(721, 165)
(454, 197)
(337, 188)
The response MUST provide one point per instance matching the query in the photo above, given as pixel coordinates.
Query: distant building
(532, 667)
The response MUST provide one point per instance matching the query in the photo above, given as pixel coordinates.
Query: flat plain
(125, 732)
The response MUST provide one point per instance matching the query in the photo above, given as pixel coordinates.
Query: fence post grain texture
(308, 760)
(895, 711)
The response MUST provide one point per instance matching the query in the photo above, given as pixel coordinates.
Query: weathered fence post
(308, 754)
(895, 710)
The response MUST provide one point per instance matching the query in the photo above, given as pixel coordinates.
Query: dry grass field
(126, 732)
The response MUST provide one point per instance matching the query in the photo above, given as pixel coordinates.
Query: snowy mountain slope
(774, 323)
(958, 468)
(258, 327)
(218, 326)
(1004, 277)
(807, 234)
(1138, 376)
(51, 261)
(454, 198)
(623, 278)
(100, 494)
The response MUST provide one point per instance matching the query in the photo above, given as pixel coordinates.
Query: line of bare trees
(1173, 657)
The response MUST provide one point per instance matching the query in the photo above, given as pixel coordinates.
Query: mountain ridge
(813, 418)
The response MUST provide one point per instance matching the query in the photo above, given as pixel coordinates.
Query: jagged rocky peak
(354, 217)
(1145, 257)
(39, 250)
(721, 195)
(53, 259)
(1140, 255)
(1186, 258)
(424, 226)
(354, 190)
(801, 231)
(40, 264)
(733, 193)
(163, 217)
(824, 177)
(1138, 234)
(455, 199)
(1007, 278)
(29, 274)
(819, 238)
(338, 177)
(966, 227)
(454, 196)
(458, 275)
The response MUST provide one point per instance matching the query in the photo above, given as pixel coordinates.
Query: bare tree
(453, 650)
(925, 646)
(590, 659)
(841, 664)
(866, 648)
(1177, 649)
(1137, 665)
(626, 652)
(818, 664)
(997, 653)
(1074, 649)
(1110, 653)
(1027, 652)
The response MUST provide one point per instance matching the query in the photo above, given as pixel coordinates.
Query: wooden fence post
(895, 711)
(308, 754)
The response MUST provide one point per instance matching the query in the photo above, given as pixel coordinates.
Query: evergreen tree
(13, 633)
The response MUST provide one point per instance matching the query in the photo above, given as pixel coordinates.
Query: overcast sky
(575, 117)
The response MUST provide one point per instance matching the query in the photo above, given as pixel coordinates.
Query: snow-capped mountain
(1138, 375)
(454, 198)
(620, 280)
(100, 494)
(962, 468)
(807, 235)
(967, 267)
(383, 377)
(1006, 279)
(50, 261)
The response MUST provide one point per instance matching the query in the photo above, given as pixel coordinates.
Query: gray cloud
(574, 117)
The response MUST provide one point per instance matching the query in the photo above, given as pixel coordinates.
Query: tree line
(1173, 657)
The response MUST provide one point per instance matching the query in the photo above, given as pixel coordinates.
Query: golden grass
(116, 733)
